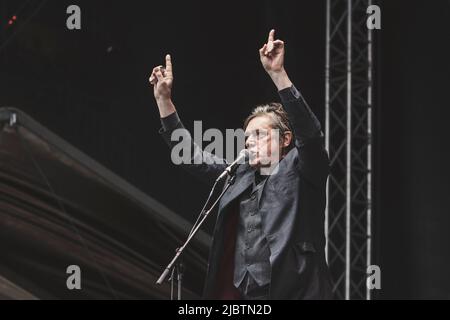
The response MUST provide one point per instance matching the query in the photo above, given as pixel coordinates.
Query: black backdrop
(90, 87)
(413, 157)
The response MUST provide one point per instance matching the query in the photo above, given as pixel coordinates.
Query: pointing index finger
(271, 35)
(169, 64)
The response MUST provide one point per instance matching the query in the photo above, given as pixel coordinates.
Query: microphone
(242, 157)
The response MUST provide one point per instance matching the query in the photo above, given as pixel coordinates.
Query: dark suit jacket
(291, 206)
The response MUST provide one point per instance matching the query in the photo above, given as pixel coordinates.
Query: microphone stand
(173, 266)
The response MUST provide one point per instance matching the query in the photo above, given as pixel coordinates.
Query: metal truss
(349, 141)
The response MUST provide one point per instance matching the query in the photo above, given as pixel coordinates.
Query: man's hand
(162, 80)
(272, 59)
(272, 54)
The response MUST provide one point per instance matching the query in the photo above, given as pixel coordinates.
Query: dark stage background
(90, 87)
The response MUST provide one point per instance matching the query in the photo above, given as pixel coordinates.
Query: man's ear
(287, 139)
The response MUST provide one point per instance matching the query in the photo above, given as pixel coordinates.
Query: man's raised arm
(207, 167)
(313, 158)
(303, 120)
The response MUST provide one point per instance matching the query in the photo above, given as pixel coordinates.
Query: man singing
(269, 240)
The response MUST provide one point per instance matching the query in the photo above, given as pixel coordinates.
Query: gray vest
(252, 253)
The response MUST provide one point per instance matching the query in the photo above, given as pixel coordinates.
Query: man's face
(263, 142)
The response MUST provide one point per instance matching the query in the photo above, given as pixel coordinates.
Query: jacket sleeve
(313, 161)
(188, 154)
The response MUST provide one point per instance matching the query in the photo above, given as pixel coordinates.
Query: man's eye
(262, 133)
